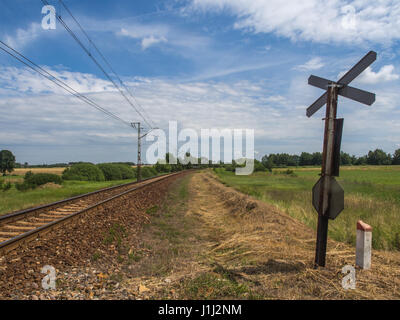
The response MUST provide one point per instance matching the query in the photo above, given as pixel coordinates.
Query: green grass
(372, 194)
(13, 199)
(214, 286)
(115, 235)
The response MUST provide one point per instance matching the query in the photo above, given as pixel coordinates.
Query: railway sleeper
(65, 213)
(42, 220)
(36, 224)
(9, 234)
(53, 216)
(13, 227)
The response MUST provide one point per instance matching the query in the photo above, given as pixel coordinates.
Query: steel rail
(24, 238)
(15, 216)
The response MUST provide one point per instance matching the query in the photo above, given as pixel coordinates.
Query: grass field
(372, 194)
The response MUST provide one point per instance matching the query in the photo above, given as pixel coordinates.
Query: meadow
(372, 194)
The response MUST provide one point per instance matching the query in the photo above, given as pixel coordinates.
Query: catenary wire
(106, 61)
(97, 63)
(29, 63)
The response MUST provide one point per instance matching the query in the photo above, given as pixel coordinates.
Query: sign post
(328, 195)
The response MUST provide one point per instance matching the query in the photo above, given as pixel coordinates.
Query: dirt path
(209, 241)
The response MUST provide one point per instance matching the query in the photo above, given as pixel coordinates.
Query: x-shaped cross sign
(345, 90)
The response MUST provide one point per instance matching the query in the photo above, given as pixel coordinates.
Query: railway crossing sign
(344, 90)
(328, 195)
(336, 196)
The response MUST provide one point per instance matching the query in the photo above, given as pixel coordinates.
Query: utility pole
(139, 152)
(139, 156)
(327, 194)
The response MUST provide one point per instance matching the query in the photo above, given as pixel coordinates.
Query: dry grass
(208, 241)
(275, 253)
(22, 171)
(50, 185)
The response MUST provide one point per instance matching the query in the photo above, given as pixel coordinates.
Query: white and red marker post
(363, 245)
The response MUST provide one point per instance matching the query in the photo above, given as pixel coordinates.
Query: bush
(39, 179)
(148, 172)
(176, 167)
(127, 171)
(110, 171)
(83, 172)
(28, 175)
(230, 167)
(24, 186)
(258, 166)
(113, 171)
(162, 168)
(6, 186)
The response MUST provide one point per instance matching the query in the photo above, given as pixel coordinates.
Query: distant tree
(345, 158)
(162, 167)
(396, 157)
(17, 165)
(294, 160)
(169, 158)
(189, 160)
(282, 159)
(361, 161)
(306, 159)
(272, 160)
(258, 166)
(26, 164)
(378, 157)
(7, 162)
(268, 162)
(316, 159)
(264, 160)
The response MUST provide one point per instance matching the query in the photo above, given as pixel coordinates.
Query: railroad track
(18, 228)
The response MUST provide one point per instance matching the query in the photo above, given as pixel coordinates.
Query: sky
(236, 64)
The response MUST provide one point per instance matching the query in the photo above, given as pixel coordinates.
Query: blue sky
(206, 64)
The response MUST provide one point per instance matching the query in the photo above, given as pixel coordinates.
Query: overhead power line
(35, 67)
(105, 60)
(76, 38)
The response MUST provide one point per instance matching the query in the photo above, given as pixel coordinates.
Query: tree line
(376, 157)
(273, 160)
(59, 165)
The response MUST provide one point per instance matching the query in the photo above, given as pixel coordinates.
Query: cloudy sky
(239, 64)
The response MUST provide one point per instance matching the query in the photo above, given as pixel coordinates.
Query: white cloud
(313, 64)
(349, 21)
(151, 34)
(57, 122)
(20, 80)
(139, 31)
(23, 37)
(149, 41)
(385, 74)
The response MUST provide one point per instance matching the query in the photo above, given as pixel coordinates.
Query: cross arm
(361, 96)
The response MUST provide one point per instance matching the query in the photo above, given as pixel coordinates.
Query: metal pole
(139, 161)
(326, 173)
